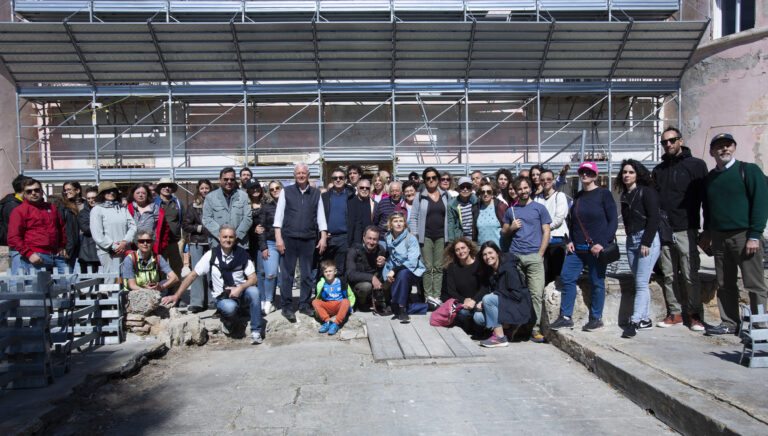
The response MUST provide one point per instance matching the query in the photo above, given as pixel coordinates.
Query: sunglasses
(227, 179)
(364, 188)
(587, 173)
(274, 189)
(445, 179)
(546, 179)
(338, 178)
(430, 178)
(35, 191)
(486, 192)
(144, 241)
(397, 214)
(465, 187)
(670, 140)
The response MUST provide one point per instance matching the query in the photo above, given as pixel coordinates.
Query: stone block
(144, 302)
(134, 323)
(134, 317)
(152, 320)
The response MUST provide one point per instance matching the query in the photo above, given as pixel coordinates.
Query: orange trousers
(326, 309)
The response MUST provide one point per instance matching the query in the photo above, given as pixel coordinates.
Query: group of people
(492, 244)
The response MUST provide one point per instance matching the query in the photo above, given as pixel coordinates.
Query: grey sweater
(110, 224)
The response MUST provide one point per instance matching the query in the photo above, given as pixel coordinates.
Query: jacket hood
(9, 199)
(685, 152)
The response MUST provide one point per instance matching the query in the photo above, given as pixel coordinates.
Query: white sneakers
(267, 307)
(256, 338)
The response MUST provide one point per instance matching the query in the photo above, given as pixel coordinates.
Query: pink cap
(588, 165)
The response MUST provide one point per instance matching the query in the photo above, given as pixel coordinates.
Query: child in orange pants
(333, 298)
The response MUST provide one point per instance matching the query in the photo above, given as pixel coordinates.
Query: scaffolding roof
(176, 53)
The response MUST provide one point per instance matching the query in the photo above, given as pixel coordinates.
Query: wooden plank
(459, 350)
(382, 339)
(409, 341)
(461, 336)
(431, 338)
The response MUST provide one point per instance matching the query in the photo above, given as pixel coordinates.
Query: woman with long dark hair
(71, 205)
(88, 256)
(592, 226)
(486, 214)
(197, 241)
(463, 281)
(507, 301)
(149, 216)
(640, 213)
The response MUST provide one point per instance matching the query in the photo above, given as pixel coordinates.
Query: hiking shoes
(631, 330)
(721, 329)
(308, 311)
(562, 322)
(670, 321)
(289, 315)
(537, 337)
(325, 327)
(256, 338)
(333, 328)
(593, 324)
(495, 341)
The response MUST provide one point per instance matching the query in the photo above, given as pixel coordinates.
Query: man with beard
(735, 212)
(680, 182)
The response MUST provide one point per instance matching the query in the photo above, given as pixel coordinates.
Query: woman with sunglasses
(446, 184)
(507, 300)
(112, 228)
(593, 223)
(197, 241)
(88, 255)
(144, 269)
(487, 215)
(556, 203)
(271, 263)
(429, 222)
(460, 211)
(640, 213)
(257, 245)
(403, 267)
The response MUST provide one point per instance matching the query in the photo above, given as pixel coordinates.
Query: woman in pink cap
(593, 223)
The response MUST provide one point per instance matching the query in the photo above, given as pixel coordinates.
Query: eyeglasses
(227, 179)
(144, 241)
(670, 140)
(338, 177)
(34, 190)
(430, 178)
(546, 179)
(277, 188)
(364, 188)
(486, 192)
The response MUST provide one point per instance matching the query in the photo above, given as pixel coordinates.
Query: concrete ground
(322, 385)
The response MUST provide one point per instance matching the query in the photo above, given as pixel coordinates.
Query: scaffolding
(137, 90)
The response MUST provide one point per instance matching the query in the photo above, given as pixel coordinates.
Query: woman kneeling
(507, 301)
(403, 268)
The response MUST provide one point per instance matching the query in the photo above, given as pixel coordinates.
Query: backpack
(743, 172)
(152, 273)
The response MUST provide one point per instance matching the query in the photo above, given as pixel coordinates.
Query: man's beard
(725, 157)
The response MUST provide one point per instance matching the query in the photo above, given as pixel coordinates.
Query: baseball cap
(588, 165)
(722, 136)
(464, 180)
(252, 183)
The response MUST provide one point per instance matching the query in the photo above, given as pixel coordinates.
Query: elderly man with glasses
(337, 204)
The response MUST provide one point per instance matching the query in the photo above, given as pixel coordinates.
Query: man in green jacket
(735, 213)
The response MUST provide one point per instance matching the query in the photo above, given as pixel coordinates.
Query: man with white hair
(299, 217)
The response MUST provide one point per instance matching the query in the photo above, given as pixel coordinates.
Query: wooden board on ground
(431, 338)
(462, 338)
(409, 341)
(382, 339)
(459, 350)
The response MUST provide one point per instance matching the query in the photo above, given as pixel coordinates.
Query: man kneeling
(233, 277)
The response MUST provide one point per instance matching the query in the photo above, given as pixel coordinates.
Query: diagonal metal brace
(79, 52)
(470, 49)
(236, 41)
(158, 51)
(546, 49)
(621, 49)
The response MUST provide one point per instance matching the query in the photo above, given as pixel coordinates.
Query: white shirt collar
(728, 165)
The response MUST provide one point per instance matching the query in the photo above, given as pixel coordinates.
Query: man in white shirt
(233, 277)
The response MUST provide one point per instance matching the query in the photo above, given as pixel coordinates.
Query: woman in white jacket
(557, 205)
(112, 228)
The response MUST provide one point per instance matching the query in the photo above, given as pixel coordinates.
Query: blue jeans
(267, 272)
(50, 262)
(15, 265)
(302, 250)
(228, 307)
(401, 288)
(489, 317)
(574, 263)
(199, 293)
(642, 267)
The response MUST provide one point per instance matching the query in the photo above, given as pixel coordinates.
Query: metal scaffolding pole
(245, 127)
(538, 119)
(94, 121)
(466, 129)
(394, 144)
(320, 143)
(610, 137)
(170, 136)
(18, 130)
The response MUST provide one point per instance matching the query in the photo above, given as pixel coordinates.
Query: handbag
(610, 251)
(445, 315)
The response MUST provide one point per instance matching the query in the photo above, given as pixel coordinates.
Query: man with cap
(735, 213)
(173, 215)
(36, 231)
(460, 211)
(679, 180)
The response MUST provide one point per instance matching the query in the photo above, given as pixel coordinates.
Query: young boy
(334, 297)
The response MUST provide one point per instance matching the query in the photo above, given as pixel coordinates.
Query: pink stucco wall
(725, 89)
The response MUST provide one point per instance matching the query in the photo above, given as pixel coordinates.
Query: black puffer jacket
(680, 183)
(192, 224)
(361, 263)
(514, 298)
(7, 204)
(88, 246)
